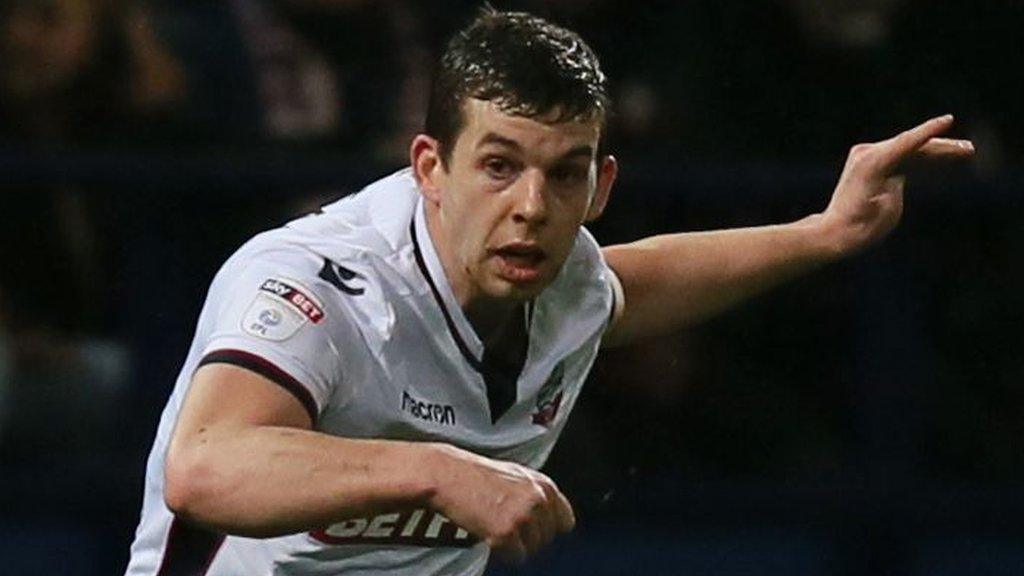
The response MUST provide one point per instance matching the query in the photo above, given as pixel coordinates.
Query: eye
(498, 167)
(569, 175)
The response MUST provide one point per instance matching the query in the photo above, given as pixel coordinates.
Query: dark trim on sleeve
(612, 281)
(615, 302)
(189, 550)
(267, 369)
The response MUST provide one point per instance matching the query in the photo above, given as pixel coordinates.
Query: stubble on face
(515, 192)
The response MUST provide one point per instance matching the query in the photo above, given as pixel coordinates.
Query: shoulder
(584, 287)
(585, 268)
(373, 220)
(275, 253)
(354, 237)
(341, 277)
(345, 261)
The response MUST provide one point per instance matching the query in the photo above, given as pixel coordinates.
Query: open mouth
(521, 254)
(520, 261)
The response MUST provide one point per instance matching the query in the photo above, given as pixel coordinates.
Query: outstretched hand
(868, 200)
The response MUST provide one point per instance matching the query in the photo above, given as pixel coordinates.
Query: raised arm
(244, 461)
(676, 280)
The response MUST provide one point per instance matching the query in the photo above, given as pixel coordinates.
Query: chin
(503, 289)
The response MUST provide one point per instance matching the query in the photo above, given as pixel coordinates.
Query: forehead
(483, 120)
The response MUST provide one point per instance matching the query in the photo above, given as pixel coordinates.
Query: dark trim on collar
(459, 342)
(501, 380)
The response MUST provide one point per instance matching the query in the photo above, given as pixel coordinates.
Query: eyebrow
(585, 150)
(492, 138)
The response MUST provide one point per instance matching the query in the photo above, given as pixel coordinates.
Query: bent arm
(676, 280)
(244, 461)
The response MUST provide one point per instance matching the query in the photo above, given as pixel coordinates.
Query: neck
(493, 322)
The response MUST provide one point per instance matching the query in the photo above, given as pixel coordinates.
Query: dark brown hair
(525, 65)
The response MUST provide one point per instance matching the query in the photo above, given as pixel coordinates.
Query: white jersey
(351, 312)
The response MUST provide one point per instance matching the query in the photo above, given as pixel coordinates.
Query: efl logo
(297, 298)
(415, 528)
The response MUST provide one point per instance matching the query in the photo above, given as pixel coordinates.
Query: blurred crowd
(790, 79)
(98, 287)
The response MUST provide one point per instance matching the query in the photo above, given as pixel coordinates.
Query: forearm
(266, 481)
(676, 280)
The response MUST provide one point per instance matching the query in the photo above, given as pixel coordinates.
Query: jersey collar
(430, 265)
(500, 378)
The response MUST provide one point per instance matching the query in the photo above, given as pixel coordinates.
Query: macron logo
(430, 412)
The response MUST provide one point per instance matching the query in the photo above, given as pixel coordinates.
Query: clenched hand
(514, 509)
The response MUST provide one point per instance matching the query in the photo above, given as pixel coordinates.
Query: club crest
(549, 398)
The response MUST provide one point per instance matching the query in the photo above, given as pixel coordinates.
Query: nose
(530, 202)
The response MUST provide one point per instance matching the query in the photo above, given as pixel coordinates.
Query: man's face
(506, 209)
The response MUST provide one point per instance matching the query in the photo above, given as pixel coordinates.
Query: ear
(606, 174)
(427, 166)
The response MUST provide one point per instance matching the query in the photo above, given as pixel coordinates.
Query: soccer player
(372, 389)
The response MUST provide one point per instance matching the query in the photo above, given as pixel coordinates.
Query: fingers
(550, 515)
(532, 527)
(526, 537)
(536, 534)
(514, 509)
(945, 148)
(908, 142)
(539, 528)
(511, 550)
(566, 518)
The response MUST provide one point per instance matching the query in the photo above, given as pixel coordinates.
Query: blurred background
(864, 420)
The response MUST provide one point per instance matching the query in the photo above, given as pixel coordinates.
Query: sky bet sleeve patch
(279, 309)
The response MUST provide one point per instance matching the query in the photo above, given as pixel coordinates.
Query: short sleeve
(278, 320)
(601, 282)
(618, 298)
